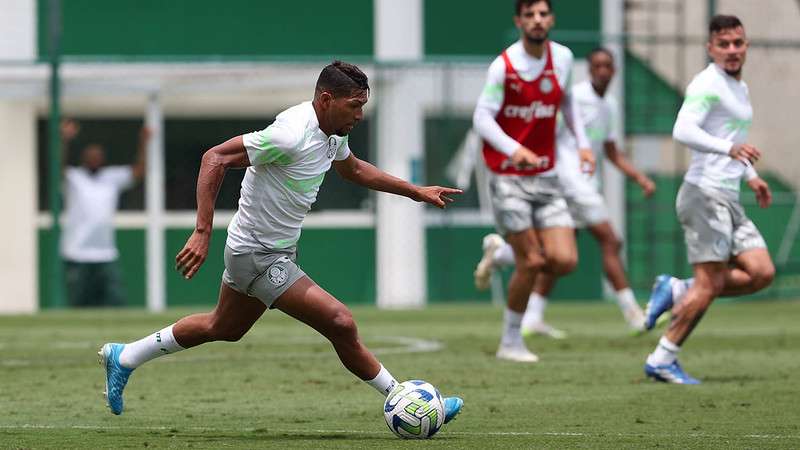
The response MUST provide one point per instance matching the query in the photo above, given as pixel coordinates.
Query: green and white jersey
(599, 117)
(288, 160)
(716, 114)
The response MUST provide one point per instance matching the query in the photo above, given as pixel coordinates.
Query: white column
(401, 269)
(19, 270)
(613, 28)
(613, 179)
(19, 264)
(154, 188)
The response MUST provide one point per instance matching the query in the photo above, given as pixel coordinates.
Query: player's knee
(763, 276)
(612, 244)
(533, 263)
(343, 326)
(562, 264)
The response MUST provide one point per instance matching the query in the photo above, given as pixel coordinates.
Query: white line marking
(400, 345)
(178, 429)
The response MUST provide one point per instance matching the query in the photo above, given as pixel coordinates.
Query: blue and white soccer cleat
(116, 375)
(660, 301)
(452, 406)
(670, 373)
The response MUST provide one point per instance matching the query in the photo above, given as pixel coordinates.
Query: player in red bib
(516, 114)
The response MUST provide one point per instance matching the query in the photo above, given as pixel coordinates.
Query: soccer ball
(414, 410)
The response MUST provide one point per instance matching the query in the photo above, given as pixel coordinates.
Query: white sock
(157, 344)
(512, 336)
(626, 300)
(666, 353)
(383, 382)
(679, 288)
(534, 313)
(503, 256)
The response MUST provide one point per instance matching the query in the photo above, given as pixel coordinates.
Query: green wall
(209, 27)
(340, 260)
(478, 27)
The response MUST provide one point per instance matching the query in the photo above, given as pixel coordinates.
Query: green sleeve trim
(269, 153)
(701, 102)
(494, 91)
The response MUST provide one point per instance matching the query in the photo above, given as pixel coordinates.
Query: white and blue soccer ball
(414, 410)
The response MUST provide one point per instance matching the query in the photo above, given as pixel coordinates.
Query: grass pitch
(282, 385)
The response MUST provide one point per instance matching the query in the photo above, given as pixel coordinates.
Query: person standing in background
(91, 197)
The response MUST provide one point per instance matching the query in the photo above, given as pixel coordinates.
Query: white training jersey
(716, 114)
(91, 201)
(599, 120)
(528, 68)
(288, 160)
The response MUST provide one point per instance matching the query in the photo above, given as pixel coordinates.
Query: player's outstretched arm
(229, 154)
(365, 174)
(618, 159)
(139, 167)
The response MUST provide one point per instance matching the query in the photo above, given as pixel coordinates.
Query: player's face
(601, 69)
(346, 112)
(534, 22)
(728, 49)
(94, 157)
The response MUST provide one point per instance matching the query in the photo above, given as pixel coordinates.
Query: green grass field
(282, 386)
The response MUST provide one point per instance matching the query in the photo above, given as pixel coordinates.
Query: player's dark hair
(722, 22)
(342, 79)
(525, 3)
(597, 50)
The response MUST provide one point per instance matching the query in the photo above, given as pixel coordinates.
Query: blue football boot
(116, 375)
(452, 406)
(660, 301)
(670, 373)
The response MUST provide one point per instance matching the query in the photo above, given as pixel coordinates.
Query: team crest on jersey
(515, 87)
(546, 85)
(277, 274)
(332, 146)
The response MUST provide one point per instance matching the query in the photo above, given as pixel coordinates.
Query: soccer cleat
(516, 353)
(116, 375)
(670, 373)
(543, 329)
(483, 272)
(452, 406)
(660, 300)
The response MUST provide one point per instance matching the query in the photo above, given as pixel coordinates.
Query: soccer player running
(726, 250)
(516, 117)
(586, 205)
(286, 163)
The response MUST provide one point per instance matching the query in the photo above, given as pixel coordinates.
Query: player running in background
(286, 163)
(516, 117)
(726, 250)
(586, 205)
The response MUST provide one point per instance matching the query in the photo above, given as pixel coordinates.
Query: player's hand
(588, 163)
(193, 254)
(436, 195)
(647, 185)
(745, 153)
(69, 129)
(524, 158)
(763, 193)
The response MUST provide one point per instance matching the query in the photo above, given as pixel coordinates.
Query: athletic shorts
(260, 273)
(522, 202)
(714, 224)
(586, 207)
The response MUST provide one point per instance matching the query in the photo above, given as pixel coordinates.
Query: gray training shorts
(714, 224)
(522, 202)
(260, 273)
